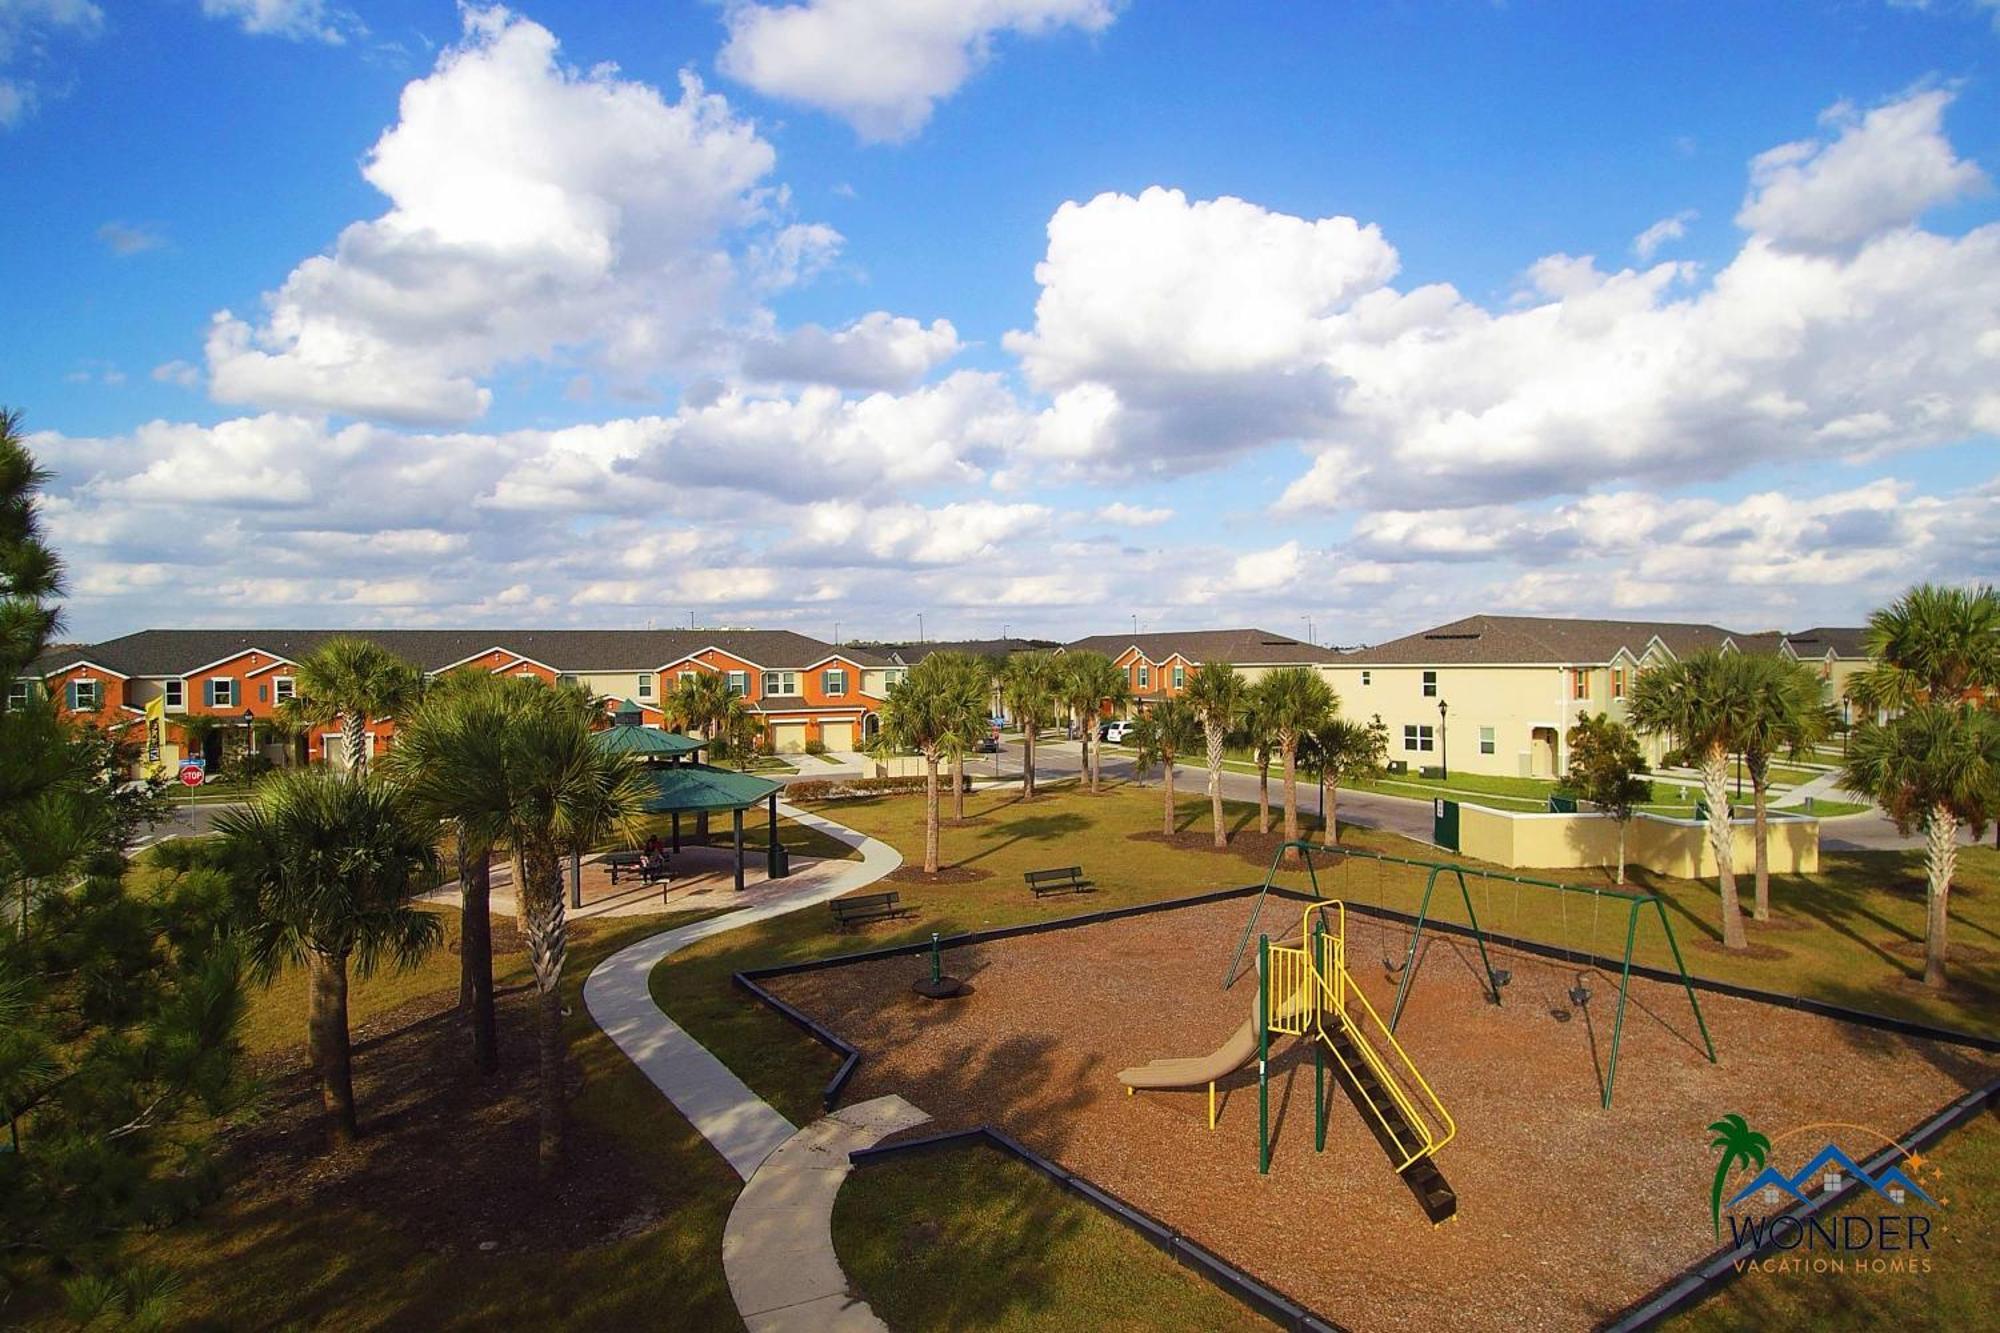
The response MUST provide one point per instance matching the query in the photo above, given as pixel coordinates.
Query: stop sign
(191, 775)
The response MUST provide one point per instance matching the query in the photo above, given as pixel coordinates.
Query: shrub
(833, 789)
(815, 746)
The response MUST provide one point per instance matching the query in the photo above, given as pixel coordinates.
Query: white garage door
(838, 734)
(788, 737)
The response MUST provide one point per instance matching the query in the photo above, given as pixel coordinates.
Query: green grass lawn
(1958, 1293)
(972, 1239)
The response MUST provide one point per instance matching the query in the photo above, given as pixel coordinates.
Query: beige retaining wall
(1676, 847)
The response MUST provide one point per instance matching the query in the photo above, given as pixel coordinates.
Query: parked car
(990, 743)
(1116, 732)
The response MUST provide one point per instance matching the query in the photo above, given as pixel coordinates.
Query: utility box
(1444, 823)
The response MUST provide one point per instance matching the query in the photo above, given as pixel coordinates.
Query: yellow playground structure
(1304, 990)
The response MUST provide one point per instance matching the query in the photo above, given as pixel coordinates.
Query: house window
(1418, 738)
(17, 694)
(834, 682)
(174, 694)
(1486, 740)
(1145, 676)
(283, 689)
(681, 677)
(1579, 683)
(263, 692)
(221, 692)
(781, 682)
(891, 679)
(1367, 678)
(645, 689)
(565, 678)
(1180, 677)
(1618, 682)
(739, 682)
(83, 696)
(1430, 684)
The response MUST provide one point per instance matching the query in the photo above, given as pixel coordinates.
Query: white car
(1118, 732)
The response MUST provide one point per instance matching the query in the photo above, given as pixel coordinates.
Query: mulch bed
(1767, 952)
(1954, 952)
(445, 1153)
(914, 874)
(1567, 1212)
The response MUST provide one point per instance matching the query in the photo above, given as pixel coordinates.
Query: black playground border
(1690, 1285)
(1265, 1300)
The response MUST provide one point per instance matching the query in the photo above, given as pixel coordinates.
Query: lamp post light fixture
(1444, 743)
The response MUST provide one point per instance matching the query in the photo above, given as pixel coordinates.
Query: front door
(1542, 752)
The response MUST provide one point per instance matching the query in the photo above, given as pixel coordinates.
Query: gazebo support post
(736, 821)
(771, 853)
(677, 830)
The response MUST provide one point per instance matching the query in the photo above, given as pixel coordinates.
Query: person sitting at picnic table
(654, 866)
(654, 847)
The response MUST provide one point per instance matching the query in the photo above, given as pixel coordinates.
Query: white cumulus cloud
(298, 20)
(533, 208)
(883, 65)
(877, 351)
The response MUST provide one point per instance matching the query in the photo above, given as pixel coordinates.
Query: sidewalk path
(777, 1247)
(741, 1126)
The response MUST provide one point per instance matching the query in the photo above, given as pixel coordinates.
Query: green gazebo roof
(698, 788)
(647, 742)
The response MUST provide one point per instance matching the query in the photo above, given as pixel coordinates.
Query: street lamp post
(1444, 743)
(249, 736)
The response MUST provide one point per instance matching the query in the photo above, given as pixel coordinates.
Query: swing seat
(1501, 976)
(1579, 995)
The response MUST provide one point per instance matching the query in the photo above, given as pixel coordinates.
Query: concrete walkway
(777, 1247)
(741, 1126)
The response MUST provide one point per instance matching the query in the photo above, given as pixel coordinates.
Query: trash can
(784, 861)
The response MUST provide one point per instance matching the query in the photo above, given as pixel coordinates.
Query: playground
(1564, 1211)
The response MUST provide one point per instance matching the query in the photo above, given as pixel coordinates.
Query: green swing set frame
(1637, 903)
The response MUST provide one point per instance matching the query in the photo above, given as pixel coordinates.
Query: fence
(1677, 847)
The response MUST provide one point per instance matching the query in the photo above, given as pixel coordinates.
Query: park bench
(630, 863)
(863, 907)
(1069, 879)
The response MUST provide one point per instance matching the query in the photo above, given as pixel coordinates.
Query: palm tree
(927, 712)
(1088, 680)
(1784, 713)
(554, 792)
(447, 753)
(1294, 702)
(352, 680)
(1934, 642)
(1933, 767)
(1169, 731)
(1741, 1146)
(1607, 769)
(1028, 688)
(1701, 701)
(969, 687)
(1342, 751)
(1253, 733)
(327, 864)
(1218, 696)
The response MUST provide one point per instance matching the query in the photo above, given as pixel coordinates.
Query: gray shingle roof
(1846, 641)
(909, 654)
(171, 652)
(1540, 640)
(1244, 647)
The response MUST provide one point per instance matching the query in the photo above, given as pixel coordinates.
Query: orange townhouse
(803, 690)
(1160, 666)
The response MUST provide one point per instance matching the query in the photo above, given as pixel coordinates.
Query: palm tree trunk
(1621, 851)
(475, 955)
(354, 731)
(1715, 786)
(1027, 759)
(1940, 864)
(1215, 784)
(1263, 789)
(958, 786)
(327, 1044)
(520, 873)
(1761, 903)
(1329, 805)
(1167, 779)
(930, 813)
(1289, 760)
(548, 948)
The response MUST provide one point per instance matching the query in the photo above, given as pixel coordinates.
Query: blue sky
(1252, 313)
